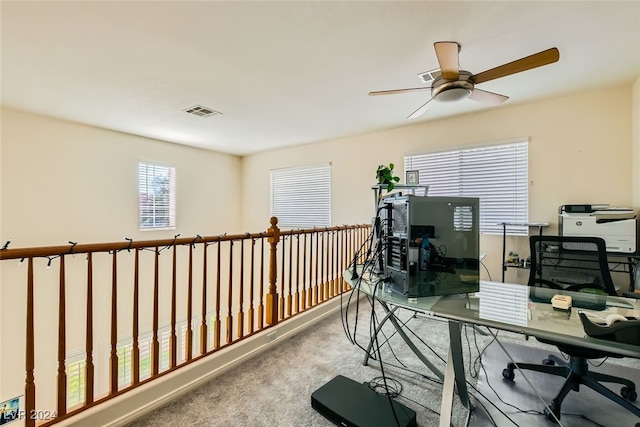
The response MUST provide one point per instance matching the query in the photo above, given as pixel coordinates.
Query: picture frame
(412, 177)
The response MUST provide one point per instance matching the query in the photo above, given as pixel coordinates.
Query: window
(76, 369)
(301, 196)
(157, 184)
(496, 174)
(123, 352)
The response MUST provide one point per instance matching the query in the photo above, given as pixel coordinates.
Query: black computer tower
(430, 245)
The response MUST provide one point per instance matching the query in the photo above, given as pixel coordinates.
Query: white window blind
(301, 196)
(157, 191)
(498, 175)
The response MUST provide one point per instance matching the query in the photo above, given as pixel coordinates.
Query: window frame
(144, 191)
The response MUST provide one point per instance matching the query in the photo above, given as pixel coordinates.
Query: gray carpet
(583, 408)
(274, 388)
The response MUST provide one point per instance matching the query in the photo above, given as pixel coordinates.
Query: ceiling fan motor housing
(452, 90)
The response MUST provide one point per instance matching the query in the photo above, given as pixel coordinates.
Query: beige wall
(635, 154)
(579, 152)
(63, 181)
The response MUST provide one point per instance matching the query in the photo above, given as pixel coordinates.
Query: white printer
(617, 226)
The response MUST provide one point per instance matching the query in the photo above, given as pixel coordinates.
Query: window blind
(498, 175)
(301, 196)
(157, 192)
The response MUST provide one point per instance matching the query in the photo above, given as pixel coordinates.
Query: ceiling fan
(449, 83)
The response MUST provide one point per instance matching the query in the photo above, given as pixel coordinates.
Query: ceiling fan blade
(487, 97)
(447, 53)
(421, 110)
(393, 91)
(539, 59)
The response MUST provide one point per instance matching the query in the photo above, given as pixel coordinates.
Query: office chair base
(576, 373)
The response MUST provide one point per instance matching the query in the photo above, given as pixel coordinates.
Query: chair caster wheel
(628, 394)
(508, 374)
(554, 411)
(548, 362)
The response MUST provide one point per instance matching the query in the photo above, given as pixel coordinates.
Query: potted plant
(384, 174)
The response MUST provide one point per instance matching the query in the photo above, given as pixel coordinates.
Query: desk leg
(454, 373)
(415, 349)
(375, 334)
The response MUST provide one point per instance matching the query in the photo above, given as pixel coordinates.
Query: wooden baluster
(345, 256)
(347, 245)
(290, 295)
(316, 285)
(89, 368)
(30, 385)
(241, 295)
(352, 243)
(204, 336)
(62, 342)
(230, 296)
(216, 322)
(338, 262)
(281, 301)
(361, 240)
(326, 268)
(251, 315)
(189, 332)
(135, 350)
(155, 343)
(322, 294)
(311, 260)
(304, 273)
(261, 312)
(332, 285)
(272, 295)
(173, 338)
(297, 296)
(113, 365)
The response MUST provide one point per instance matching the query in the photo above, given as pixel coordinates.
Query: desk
(540, 321)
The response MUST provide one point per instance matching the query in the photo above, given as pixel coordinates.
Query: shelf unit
(620, 262)
(377, 191)
(539, 225)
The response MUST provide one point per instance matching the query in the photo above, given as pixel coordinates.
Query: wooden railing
(131, 299)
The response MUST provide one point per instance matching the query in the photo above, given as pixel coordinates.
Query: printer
(617, 226)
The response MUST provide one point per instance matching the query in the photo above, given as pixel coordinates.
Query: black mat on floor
(579, 409)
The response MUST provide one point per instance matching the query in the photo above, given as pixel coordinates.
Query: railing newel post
(272, 294)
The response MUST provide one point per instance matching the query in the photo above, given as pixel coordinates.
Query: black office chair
(576, 264)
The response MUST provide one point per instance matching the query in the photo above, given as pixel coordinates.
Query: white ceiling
(288, 73)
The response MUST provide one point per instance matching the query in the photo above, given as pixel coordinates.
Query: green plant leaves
(384, 175)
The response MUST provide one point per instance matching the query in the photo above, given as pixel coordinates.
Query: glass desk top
(516, 308)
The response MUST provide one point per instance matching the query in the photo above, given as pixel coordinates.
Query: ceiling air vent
(429, 76)
(200, 111)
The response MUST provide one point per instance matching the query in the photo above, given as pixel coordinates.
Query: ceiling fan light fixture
(453, 94)
(452, 90)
